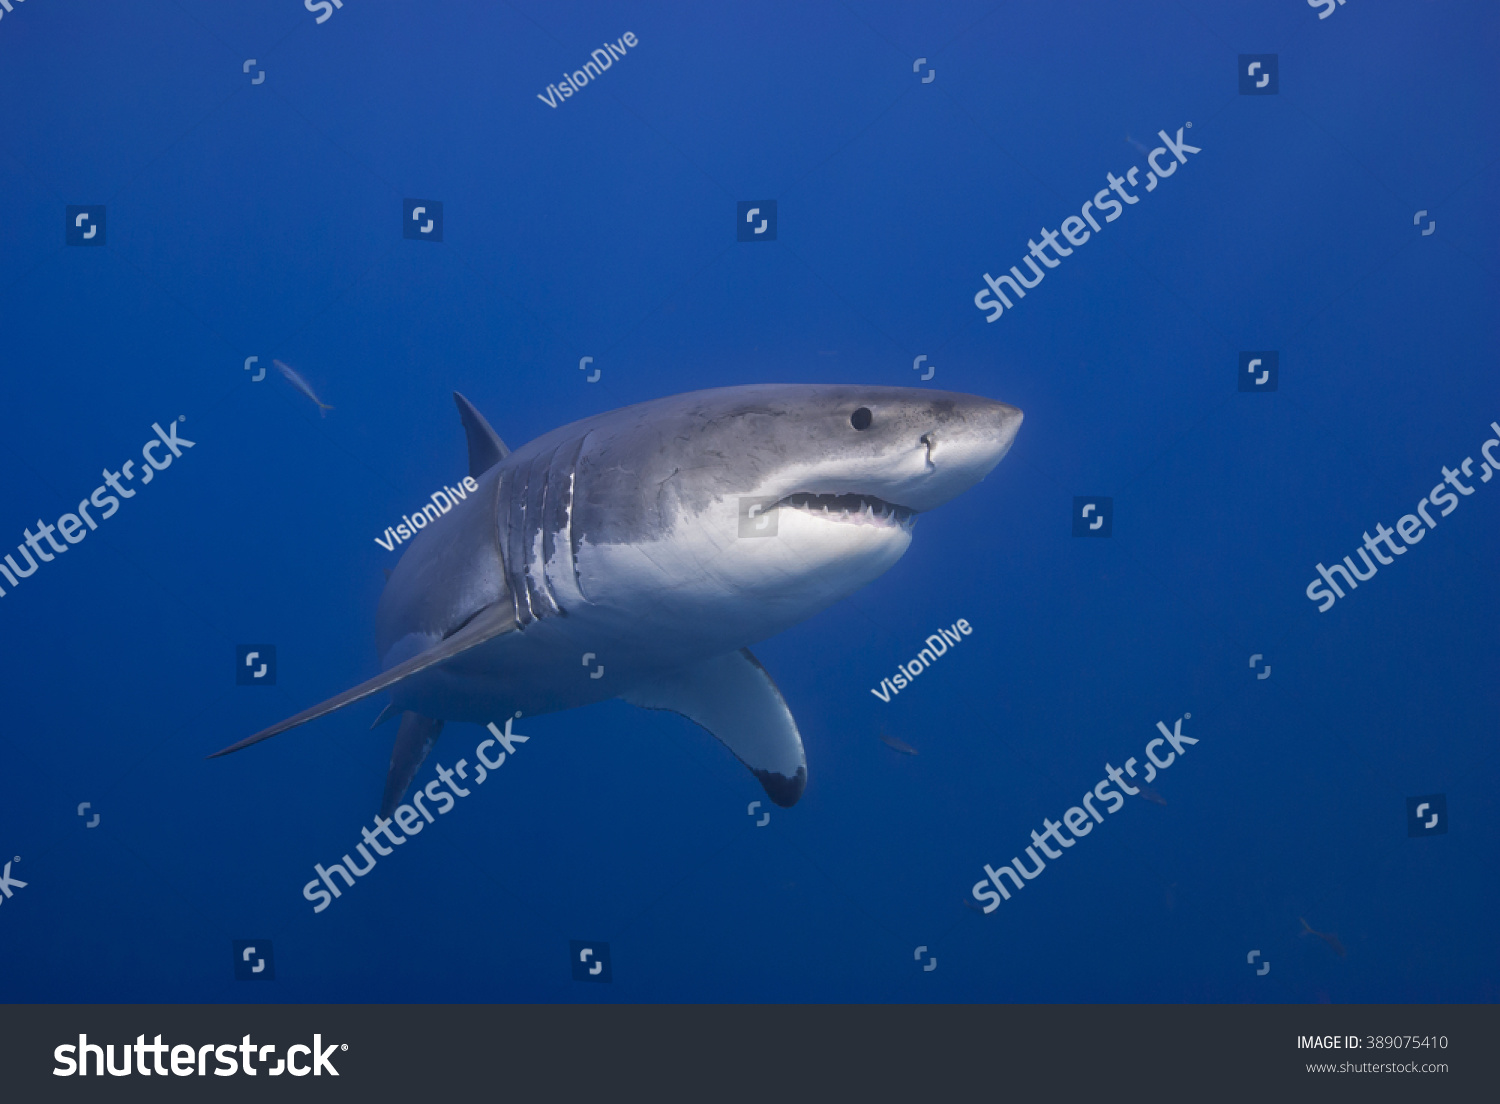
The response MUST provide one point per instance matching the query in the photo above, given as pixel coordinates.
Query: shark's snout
(967, 439)
(888, 454)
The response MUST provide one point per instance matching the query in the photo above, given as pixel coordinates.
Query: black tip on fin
(782, 790)
(485, 447)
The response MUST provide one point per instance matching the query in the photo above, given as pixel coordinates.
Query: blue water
(264, 220)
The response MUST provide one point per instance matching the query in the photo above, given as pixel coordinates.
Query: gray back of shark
(638, 553)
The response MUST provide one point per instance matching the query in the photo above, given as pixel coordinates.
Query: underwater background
(1336, 216)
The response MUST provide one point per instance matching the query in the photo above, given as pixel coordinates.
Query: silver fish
(898, 745)
(295, 379)
(1327, 937)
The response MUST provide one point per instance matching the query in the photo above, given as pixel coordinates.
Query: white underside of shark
(625, 537)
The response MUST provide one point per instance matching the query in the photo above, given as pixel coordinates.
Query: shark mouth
(855, 508)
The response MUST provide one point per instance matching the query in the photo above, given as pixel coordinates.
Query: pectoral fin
(487, 624)
(733, 697)
(413, 742)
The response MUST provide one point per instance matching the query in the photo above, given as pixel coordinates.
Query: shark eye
(861, 418)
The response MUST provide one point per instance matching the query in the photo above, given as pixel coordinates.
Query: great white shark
(638, 553)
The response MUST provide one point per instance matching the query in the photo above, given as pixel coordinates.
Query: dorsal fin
(485, 447)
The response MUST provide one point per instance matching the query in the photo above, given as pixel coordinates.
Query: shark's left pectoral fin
(733, 697)
(488, 623)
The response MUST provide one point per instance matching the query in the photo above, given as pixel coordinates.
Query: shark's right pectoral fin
(487, 624)
(733, 697)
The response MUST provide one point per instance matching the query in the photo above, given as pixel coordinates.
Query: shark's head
(793, 495)
(843, 453)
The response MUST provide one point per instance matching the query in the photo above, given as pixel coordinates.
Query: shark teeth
(857, 508)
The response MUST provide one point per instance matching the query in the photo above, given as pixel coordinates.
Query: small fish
(295, 379)
(1152, 796)
(897, 745)
(1327, 937)
(1136, 144)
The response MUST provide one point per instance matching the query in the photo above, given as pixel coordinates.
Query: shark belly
(643, 609)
